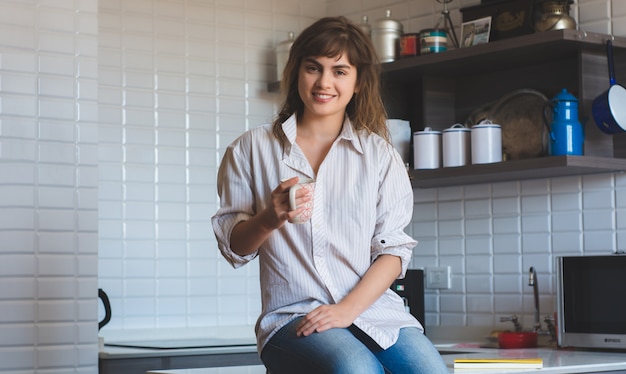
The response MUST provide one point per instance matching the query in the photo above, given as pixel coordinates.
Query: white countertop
(554, 360)
(243, 335)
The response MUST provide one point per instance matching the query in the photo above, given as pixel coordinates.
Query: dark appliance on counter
(591, 301)
(411, 289)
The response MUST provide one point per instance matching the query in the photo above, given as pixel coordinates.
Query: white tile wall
(48, 187)
(113, 116)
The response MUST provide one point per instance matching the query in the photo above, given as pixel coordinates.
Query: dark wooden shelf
(502, 54)
(534, 168)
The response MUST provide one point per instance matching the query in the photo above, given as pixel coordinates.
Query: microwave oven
(591, 301)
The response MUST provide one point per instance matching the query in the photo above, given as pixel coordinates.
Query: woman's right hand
(279, 211)
(248, 235)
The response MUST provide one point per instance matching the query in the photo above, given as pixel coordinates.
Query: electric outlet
(438, 277)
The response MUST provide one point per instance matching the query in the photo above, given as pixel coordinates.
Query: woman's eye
(312, 68)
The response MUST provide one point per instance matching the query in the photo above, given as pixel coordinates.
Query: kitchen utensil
(554, 15)
(456, 146)
(609, 109)
(520, 113)
(365, 26)
(510, 339)
(486, 140)
(107, 308)
(566, 131)
(427, 149)
(386, 38)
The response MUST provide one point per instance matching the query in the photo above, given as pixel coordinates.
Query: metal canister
(282, 54)
(366, 27)
(386, 38)
(433, 41)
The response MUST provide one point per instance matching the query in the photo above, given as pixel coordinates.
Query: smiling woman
(327, 302)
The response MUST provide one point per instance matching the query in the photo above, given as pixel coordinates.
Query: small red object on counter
(510, 339)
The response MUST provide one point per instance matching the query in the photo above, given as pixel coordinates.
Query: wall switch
(438, 277)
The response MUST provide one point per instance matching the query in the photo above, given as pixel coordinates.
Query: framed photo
(475, 32)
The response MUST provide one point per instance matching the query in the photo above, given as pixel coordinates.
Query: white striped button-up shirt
(363, 200)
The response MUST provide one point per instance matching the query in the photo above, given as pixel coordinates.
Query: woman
(326, 302)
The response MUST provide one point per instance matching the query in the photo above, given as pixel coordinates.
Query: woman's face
(326, 85)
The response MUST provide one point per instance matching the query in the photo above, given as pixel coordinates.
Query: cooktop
(185, 343)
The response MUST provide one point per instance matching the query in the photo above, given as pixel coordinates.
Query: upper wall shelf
(440, 89)
(534, 168)
(509, 53)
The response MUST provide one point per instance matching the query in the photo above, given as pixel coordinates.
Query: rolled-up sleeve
(236, 201)
(395, 212)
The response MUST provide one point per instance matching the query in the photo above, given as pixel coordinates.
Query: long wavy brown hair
(334, 37)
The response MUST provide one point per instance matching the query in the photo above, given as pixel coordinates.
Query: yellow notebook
(498, 363)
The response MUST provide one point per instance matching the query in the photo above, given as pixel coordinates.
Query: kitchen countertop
(195, 341)
(554, 360)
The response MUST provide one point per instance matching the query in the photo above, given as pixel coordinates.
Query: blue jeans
(350, 351)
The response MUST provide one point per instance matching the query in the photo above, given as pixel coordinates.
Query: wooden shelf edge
(535, 168)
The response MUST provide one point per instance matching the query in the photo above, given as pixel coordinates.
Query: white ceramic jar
(486, 143)
(456, 146)
(427, 149)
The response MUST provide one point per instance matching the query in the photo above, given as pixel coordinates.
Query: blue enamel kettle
(566, 131)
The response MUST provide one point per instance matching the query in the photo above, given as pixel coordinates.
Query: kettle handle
(107, 308)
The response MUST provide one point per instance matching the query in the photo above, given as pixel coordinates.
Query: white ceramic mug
(305, 215)
(486, 143)
(427, 149)
(456, 146)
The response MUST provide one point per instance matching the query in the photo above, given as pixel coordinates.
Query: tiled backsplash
(113, 118)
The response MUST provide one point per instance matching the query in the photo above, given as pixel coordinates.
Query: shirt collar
(347, 133)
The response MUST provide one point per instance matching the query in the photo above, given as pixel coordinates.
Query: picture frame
(475, 32)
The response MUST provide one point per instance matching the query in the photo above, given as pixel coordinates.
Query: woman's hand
(278, 212)
(324, 318)
(248, 235)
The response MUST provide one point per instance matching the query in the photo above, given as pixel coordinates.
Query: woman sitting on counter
(326, 262)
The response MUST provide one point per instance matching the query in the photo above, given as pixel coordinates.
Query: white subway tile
(535, 204)
(536, 242)
(477, 245)
(598, 199)
(599, 241)
(478, 264)
(56, 242)
(17, 219)
(17, 358)
(56, 219)
(56, 42)
(57, 153)
(596, 11)
(478, 226)
(56, 174)
(17, 196)
(507, 225)
(536, 223)
(507, 243)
